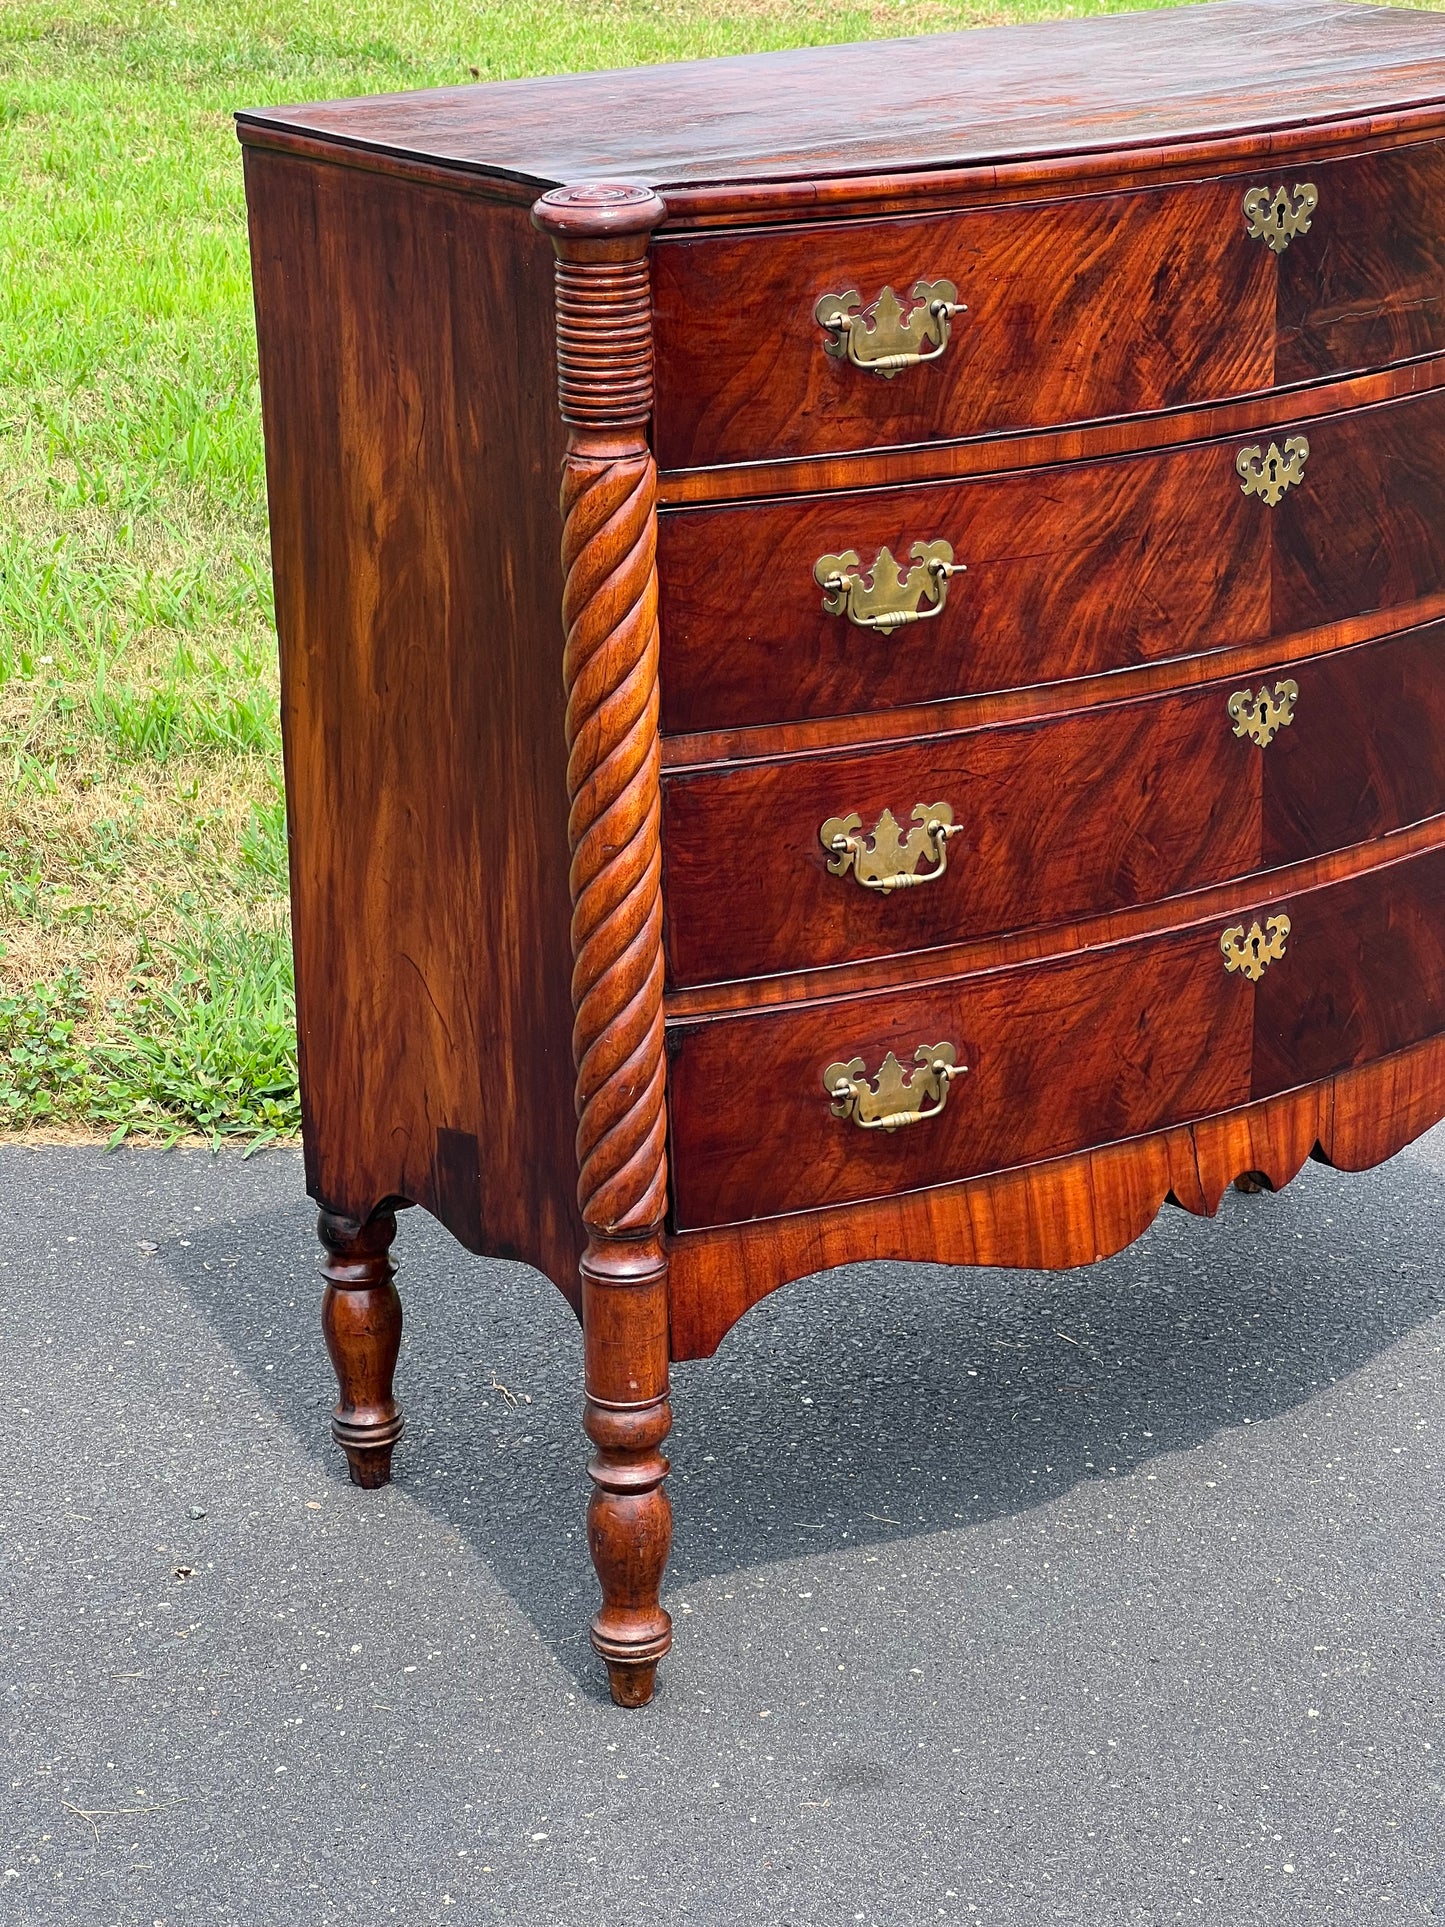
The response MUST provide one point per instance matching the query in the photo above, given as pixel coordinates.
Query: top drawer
(1076, 309)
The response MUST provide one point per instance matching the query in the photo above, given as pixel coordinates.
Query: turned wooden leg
(600, 235)
(361, 1320)
(627, 1416)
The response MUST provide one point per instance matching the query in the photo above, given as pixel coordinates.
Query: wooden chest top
(1056, 89)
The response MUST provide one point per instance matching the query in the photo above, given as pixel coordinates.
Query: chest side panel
(412, 462)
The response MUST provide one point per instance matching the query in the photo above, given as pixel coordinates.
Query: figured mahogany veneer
(1072, 570)
(1168, 310)
(1060, 817)
(1066, 1211)
(1055, 818)
(570, 959)
(1155, 1031)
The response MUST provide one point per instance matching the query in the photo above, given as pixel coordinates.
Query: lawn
(144, 951)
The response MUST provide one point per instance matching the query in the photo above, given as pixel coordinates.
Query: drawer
(1077, 309)
(1366, 750)
(1111, 806)
(1363, 975)
(1095, 810)
(1060, 1056)
(1070, 571)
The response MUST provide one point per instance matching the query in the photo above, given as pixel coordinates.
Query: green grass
(144, 968)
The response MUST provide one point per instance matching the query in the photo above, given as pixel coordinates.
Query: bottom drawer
(1049, 1058)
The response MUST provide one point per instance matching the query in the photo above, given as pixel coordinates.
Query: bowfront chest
(961, 762)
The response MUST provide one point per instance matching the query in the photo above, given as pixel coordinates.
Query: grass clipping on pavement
(145, 966)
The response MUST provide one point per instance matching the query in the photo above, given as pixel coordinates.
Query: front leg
(600, 234)
(361, 1320)
(627, 1417)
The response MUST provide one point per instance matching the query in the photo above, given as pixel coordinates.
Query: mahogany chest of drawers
(964, 761)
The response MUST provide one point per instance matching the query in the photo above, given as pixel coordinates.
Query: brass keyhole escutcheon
(1277, 218)
(1272, 472)
(1252, 951)
(1261, 714)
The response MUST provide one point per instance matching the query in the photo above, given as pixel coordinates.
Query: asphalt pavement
(1012, 1598)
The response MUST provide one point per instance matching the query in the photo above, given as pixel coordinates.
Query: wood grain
(1063, 1056)
(1061, 87)
(1366, 751)
(412, 450)
(1363, 975)
(451, 795)
(1242, 662)
(361, 1323)
(599, 232)
(1038, 943)
(1150, 1036)
(1118, 805)
(1104, 305)
(1366, 286)
(956, 460)
(1072, 571)
(1075, 815)
(1077, 309)
(1071, 1211)
(1365, 529)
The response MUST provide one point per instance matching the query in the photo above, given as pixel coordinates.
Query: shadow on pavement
(864, 1405)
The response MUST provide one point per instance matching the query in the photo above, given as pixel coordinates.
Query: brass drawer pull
(1262, 714)
(1277, 218)
(883, 597)
(880, 337)
(1269, 474)
(1252, 952)
(893, 1099)
(889, 860)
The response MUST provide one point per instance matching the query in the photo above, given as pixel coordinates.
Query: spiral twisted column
(600, 233)
(609, 611)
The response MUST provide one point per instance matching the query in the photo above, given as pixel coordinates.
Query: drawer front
(1365, 752)
(1069, 571)
(1076, 309)
(1052, 1058)
(1366, 287)
(1059, 1056)
(1067, 816)
(1363, 975)
(1097, 810)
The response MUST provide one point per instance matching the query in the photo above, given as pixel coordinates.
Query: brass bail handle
(879, 336)
(888, 859)
(894, 1097)
(884, 596)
